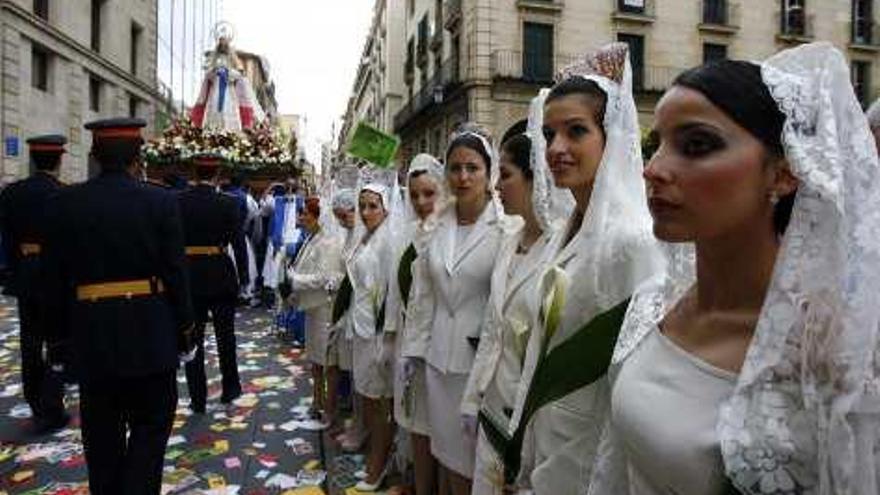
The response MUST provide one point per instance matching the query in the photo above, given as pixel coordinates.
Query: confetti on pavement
(259, 445)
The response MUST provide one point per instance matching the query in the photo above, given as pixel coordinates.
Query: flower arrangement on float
(251, 149)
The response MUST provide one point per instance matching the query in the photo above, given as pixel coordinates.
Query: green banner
(373, 145)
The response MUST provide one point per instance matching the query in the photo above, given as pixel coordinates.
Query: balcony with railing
(452, 14)
(633, 11)
(654, 78)
(795, 25)
(433, 92)
(719, 16)
(865, 35)
(512, 65)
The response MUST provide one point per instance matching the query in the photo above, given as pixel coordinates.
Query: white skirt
(371, 379)
(339, 353)
(317, 328)
(488, 469)
(449, 443)
(411, 406)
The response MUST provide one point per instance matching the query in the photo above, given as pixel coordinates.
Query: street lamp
(438, 94)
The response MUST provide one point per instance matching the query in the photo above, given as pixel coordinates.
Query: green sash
(574, 364)
(343, 300)
(404, 273)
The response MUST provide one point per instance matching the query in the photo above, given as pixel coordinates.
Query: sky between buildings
(313, 48)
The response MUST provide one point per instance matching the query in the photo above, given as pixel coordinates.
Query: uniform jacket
(114, 228)
(318, 266)
(22, 213)
(210, 218)
(452, 291)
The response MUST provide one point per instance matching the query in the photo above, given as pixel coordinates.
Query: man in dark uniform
(210, 223)
(22, 210)
(115, 255)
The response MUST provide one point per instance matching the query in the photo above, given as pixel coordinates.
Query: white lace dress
(664, 411)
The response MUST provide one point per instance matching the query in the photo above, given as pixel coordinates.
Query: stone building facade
(483, 60)
(68, 62)
(378, 90)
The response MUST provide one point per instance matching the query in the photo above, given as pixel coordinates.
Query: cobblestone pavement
(256, 446)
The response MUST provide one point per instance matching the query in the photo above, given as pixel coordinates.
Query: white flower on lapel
(555, 284)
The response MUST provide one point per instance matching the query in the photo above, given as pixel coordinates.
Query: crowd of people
(566, 310)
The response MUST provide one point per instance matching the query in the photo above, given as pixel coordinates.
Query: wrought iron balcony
(434, 92)
(452, 17)
(511, 64)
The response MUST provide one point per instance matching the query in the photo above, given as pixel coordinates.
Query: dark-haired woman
(492, 386)
(426, 190)
(451, 299)
(752, 361)
(592, 149)
(317, 265)
(368, 272)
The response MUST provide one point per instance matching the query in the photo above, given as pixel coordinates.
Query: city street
(253, 447)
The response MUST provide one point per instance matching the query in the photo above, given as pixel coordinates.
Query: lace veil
(615, 246)
(804, 417)
(552, 205)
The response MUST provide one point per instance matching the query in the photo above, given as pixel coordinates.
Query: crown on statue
(223, 30)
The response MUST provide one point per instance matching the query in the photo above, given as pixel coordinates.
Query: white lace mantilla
(803, 418)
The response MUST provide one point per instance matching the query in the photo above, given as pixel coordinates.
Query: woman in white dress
(368, 273)
(751, 365)
(318, 266)
(493, 382)
(427, 194)
(451, 297)
(592, 137)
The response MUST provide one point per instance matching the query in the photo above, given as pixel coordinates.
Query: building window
(537, 63)
(97, 7)
(861, 79)
(636, 57)
(134, 55)
(94, 94)
(132, 106)
(715, 12)
(863, 22)
(410, 7)
(423, 41)
(41, 9)
(40, 58)
(713, 52)
(635, 6)
(794, 17)
(436, 142)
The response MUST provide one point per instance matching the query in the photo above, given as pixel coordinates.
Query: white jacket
(562, 437)
(318, 267)
(451, 291)
(513, 307)
(368, 273)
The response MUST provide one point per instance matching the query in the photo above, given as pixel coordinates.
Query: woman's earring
(774, 198)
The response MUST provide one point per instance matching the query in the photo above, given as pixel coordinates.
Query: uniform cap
(120, 128)
(47, 143)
